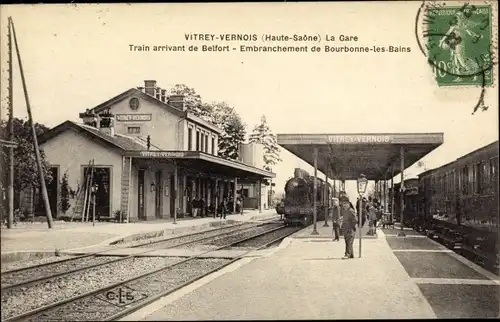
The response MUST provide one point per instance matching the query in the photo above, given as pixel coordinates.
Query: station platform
(305, 278)
(34, 241)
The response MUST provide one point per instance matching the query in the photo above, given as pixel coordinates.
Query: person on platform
(336, 220)
(349, 221)
(242, 198)
(223, 208)
(203, 209)
(372, 217)
(195, 207)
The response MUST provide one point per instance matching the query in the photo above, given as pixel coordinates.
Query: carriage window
(465, 180)
(478, 178)
(493, 171)
(446, 184)
(472, 183)
(482, 175)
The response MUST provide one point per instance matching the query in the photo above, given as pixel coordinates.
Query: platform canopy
(206, 163)
(346, 156)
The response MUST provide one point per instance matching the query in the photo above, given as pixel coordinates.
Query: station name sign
(356, 139)
(133, 117)
(162, 154)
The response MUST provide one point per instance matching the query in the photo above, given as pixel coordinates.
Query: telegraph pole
(43, 188)
(10, 192)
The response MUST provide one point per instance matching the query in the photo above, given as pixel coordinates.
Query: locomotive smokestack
(299, 173)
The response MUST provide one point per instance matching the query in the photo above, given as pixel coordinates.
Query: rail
(27, 283)
(58, 305)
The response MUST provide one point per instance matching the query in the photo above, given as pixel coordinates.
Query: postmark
(458, 41)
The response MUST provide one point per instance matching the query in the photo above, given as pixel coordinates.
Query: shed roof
(122, 142)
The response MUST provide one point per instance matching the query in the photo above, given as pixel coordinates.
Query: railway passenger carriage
(465, 190)
(457, 204)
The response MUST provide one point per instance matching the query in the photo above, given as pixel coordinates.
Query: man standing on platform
(336, 220)
(348, 226)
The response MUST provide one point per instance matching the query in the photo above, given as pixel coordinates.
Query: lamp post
(362, 184)
(94, 191)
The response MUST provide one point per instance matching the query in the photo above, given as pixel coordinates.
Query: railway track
(28, 276)
(80, 257)
(142, 289)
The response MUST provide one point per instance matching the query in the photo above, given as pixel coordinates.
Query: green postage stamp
(459, 44)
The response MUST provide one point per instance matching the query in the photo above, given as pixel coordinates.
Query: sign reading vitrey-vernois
(342, 139)
(133, 117)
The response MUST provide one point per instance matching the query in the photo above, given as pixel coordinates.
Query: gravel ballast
(52, 269)
(33, 262)
(20, 300)
(93, 308)
(195, 237)
(226, 240)
(267, 238)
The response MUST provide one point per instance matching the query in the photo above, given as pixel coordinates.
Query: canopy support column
(326, 198)
(385, 193)
(392, 194)
(315, 193)
(235, 188)
(260, 195)
(401, 191)
(176, 191)
(216, 206)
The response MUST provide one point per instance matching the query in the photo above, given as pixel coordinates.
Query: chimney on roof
(140, 88)
(177, 101)
(158, 93)
(150, 86)
(107, 123)
(90, 118)
(163, 95)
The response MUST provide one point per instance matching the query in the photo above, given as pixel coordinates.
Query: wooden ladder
(125, 181)
(80, 208)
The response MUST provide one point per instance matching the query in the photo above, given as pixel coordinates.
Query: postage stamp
(458, 41)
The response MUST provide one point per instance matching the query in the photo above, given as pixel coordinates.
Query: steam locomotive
(299, 198)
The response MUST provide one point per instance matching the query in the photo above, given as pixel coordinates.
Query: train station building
(379, 156)
(148, 158)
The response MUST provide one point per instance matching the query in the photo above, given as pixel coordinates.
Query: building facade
(143, 156)
(253, 154)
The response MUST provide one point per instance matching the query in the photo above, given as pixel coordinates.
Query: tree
(233, 130)
(25, 168)
(262, 134)
(64, 204)
(218, 113)
(193, 101)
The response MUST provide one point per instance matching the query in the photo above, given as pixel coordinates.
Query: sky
(77, 56)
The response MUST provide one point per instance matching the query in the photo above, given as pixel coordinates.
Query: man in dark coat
(336, 220)
(349, 222)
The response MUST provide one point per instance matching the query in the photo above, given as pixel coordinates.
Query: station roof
(346, 155)
(207, 163)
(194, 160)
